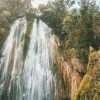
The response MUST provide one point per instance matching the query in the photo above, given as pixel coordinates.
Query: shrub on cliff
(90, 86)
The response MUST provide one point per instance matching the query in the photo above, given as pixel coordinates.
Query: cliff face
(74, 81)
(68, 74)
(89, 88)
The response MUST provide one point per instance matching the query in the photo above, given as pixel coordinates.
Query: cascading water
(31, 79)
(12, 60)
(38, 78)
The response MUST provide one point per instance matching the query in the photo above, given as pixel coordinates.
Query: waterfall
(12, 60)
(38, 77)
(30, 78)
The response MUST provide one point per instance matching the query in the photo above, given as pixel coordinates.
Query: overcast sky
(35, 3)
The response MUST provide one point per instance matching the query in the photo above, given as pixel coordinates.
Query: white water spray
(31, 79)
(38, 77)
(12, 60)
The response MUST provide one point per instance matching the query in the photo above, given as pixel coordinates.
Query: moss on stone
(90, 86)
(27, 36)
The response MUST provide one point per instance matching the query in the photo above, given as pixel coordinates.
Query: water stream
(32, 78)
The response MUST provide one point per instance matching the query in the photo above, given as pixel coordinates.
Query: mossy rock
(2, 37)
(90, 86)
(27, 36)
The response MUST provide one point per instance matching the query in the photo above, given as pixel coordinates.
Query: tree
(86, 23)
(17, 7)
(53, 14)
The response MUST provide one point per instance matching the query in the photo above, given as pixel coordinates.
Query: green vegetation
(90, 86)
(77, 28)
(27, 36)
(12, 10)
(4, 26)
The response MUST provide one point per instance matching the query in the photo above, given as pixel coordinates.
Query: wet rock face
(77, 70)
(68, 76)
(75, 81)
(63, 73)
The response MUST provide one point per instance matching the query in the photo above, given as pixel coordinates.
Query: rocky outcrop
(77, 81)
(74, 81)
(89, 88)
(75, 75)
(69, 74)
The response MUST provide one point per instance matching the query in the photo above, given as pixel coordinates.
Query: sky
(35, 3)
